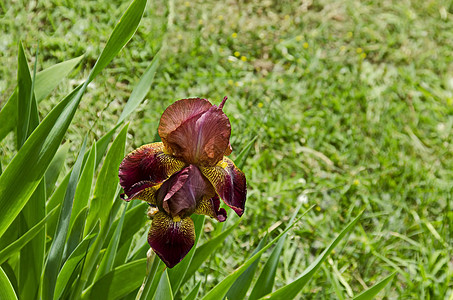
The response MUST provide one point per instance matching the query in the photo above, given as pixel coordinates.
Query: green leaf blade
(370, 293)
(119, 282)
(140, 90)
(164, 288)
(6, 288)
(57, 248)
(291, 290)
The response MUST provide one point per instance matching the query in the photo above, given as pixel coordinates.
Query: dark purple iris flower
(187, 173)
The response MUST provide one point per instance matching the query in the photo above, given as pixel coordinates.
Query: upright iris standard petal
(195, 131)
(146, 166)
(229, 183)
(170, 239)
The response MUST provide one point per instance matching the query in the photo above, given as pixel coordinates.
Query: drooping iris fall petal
(171, 240)
(195, 131)
(145, 167)
(229, 183)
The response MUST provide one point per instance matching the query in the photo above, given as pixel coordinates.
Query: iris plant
(184, 174)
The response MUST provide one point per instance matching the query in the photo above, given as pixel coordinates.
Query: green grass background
(351, 103)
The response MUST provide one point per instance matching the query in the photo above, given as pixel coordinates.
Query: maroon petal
(180, 194)
(211, 207)
(145, 167)
(171, 238)
(229, 183)
(179, 112)
(196, 131)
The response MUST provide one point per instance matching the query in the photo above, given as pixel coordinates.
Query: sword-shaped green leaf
(6, 288)
(291, 290)
(370, 293)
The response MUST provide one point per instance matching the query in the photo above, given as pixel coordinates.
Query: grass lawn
(350, 102)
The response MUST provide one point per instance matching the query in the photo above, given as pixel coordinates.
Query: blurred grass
(351, 101)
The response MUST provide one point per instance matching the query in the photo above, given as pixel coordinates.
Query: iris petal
(179, 112)
(195, 131)
(147, 192)
(146, 166)
(211, 207)
(180, 194)
(171, 239)
(229, 183)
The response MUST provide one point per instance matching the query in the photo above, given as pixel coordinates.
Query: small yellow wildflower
(237, 53)
(220, 18)
(234, 35)
(305, 45)
(318, 208)
(200, 22)
(187, 3)
(356, 182)
(243, 58)
(230, 82)
(363, 55)
(359, 50)
(260, 105)
(349, 34)
(299, 38)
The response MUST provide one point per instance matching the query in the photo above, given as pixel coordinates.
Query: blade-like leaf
(242, 157)
(370, 293)
(291, 290)
(55, 168)
(73, 261)
(56, 250)
(24, 239)
(220, 290)
(109, 255)
(24, 97)
(134, 220)
(6, 288)
(107, 182)
(155, 267)
(265, 282)
(119, 282)
(164, 288)
(240, 287)
(194, 292)
(76, 232)
(32, 255)
(34, 156)
(48, 79)
(8, 115)
(105, 193)
(83, 190)
(204, 251)
(140, 90)
(122, 33)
